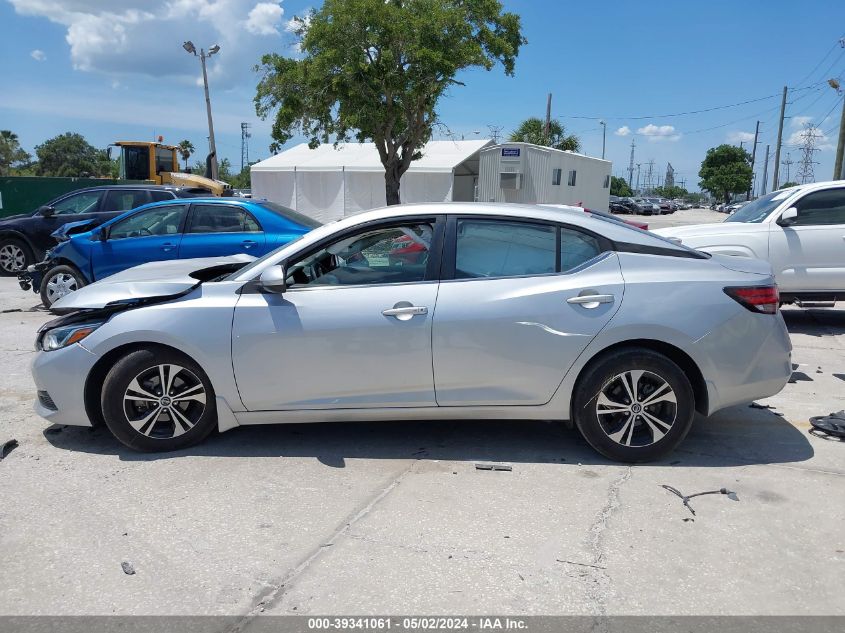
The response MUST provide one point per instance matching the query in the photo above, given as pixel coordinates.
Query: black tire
(160, 434)
(602, 377)
(65, 274)
(11, 250)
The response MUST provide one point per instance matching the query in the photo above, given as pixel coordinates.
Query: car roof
(126, 186)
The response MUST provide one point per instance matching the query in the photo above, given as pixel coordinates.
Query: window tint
(135, 163)
(158, 221)
(221, 218)
(606, 182)
(161, 195)
(556, 176)
(577, 248)
(396, 254)
(123, 200)
(85, 202)
(821, 207)
(490, 248)
(571, 180)
(164, 160)
(290, 214)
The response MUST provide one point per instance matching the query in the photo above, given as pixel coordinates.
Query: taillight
(763, 299)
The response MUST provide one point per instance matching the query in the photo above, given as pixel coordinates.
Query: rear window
(290, 214)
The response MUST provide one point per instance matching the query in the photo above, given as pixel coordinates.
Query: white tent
(329, 183)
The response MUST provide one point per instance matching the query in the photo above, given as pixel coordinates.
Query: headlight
(60, 337)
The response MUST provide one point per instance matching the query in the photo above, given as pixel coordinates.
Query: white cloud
(822, 141)
(623, 131)
(145, 37)
(799, 121)
(264, 18)
(740, 137)
(38, 55)
(657, 133)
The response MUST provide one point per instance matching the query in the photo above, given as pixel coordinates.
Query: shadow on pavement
(736, 436)
(826, 322)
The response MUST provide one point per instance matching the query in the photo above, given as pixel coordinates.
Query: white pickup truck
(800, 231)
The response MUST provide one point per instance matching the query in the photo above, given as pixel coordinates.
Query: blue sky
(115, 69)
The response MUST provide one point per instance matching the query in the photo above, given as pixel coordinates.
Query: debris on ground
(11, 310)
(7, 448)
(492, 466)
(572, 562)
(686, 498)
(127, 568)
(829, 427)
(755, 405)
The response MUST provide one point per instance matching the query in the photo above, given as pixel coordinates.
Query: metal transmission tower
(787, 163)
(669, 181)
(808, 151)
(631, 167)
(649, 176)
(495, 132)
(245, 136)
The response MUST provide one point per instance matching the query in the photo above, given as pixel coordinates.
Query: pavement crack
(276, 589)
(594, 575)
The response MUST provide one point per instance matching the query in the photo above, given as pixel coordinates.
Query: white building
(522, 172)
(329, 183)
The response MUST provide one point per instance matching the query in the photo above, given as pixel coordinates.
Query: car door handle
(406, 312)
(586, 300)
(168, 247)
(248, 243)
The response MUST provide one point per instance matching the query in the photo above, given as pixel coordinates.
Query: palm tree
(11, 152)
(186, 148)
(531, 130)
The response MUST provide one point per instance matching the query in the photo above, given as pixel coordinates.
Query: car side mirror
(273, 279)
(47, 211)
(788, 217)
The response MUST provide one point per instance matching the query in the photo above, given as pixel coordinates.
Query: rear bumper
(751, 358)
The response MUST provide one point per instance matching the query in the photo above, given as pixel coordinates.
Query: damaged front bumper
(32, 276)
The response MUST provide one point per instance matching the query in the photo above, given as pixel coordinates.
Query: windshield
(290, 214)
(759, 209)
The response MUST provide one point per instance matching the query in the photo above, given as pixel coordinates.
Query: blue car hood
(152, 280)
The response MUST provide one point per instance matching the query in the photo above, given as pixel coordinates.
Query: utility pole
(780, 138)
(245, 136)
(786, 162)
(765, 173)
(603, 135)
(547, 128)
(631, 169)
(838, 166)
(189, 46)
(638, 177)
(753, 158)
(495, 131)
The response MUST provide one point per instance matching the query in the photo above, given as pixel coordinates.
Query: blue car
(178, 229)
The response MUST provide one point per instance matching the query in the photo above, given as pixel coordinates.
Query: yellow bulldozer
(159, 163)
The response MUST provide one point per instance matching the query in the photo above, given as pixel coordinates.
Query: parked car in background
(202, 227)
(607, 216)
(618, 207)
(633, 207)
(800, 231)
(330, 328)
(647, 206)
(733, 208)
(24, 239)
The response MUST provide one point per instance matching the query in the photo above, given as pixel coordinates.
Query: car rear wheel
(158, 400)
(15, 256)
(58, 282)
(634, 405)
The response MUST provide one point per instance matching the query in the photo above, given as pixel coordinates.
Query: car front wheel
(156, 399)
(634, 405)
(58, 282)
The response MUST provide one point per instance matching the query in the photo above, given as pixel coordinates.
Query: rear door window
(124, 199)
(222, 218)
(821, 208)
(492, 248)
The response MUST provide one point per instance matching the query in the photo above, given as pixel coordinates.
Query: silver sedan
(438, 311)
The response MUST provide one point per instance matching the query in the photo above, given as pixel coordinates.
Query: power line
(817, 66)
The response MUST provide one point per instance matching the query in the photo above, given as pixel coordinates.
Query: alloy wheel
(636, 408)
(60, 285)
(12, 258)
(164, 401)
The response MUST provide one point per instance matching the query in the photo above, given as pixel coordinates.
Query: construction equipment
(159, 163)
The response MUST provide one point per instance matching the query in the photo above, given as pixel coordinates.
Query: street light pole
(189, 46)
(603, 135)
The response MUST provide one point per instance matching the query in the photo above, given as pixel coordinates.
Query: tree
(374, 70)
(532, 130)
(242, 180)
(786, 185)
(70, 154)
(618, 187)
(670, 192)
(11, 154)
(185, 149)
(725, 170)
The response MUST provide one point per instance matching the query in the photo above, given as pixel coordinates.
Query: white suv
(800, 231)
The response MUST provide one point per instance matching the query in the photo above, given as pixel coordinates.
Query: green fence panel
(24, 194)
